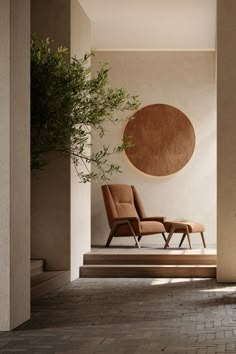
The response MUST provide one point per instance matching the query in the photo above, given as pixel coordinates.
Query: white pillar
(14, 163)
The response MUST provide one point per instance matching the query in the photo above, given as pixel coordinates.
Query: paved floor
(118, 316)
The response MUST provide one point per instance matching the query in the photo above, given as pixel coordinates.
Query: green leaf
(67, 106)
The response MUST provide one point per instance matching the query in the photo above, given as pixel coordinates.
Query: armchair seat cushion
(147, 228)
(151, 227)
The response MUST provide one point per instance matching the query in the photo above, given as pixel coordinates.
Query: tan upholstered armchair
(126, 215)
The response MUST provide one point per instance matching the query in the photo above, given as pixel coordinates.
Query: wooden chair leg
(182, 239)
(188, 236)
(111, 234)
(203, 240)
(139, 238)
(110, 237)
(169, 237)
(136, 241)
(134, 235)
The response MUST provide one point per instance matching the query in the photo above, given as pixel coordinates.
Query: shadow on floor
(92, 302)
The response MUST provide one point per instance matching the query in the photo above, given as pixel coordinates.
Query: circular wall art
(163, 138)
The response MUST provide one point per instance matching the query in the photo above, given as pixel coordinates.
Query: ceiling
(152, 24)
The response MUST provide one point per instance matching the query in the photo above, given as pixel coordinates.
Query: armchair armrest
(126, 218)
(155, 218)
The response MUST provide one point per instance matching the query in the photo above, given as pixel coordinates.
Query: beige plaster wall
(50, 189)
(80, 192)
(15, 163)
(185, 80)
(226, 158)
(162, 24)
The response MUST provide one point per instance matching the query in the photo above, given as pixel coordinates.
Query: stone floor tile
(129, 316)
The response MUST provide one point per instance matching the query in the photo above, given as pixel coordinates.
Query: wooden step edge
(34, 263)
(150, 259)
(148, 266)
(36, 266)
(168, 271)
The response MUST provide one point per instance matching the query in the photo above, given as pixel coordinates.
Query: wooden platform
(149, 262)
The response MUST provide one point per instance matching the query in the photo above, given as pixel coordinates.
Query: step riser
(147, 272)
(37, 267)
(150, 259)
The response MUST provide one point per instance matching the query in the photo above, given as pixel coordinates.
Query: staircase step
(47, 282)
(36, 266)
(148, 271)
(149, 259)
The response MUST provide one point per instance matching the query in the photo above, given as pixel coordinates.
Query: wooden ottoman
(186, 228)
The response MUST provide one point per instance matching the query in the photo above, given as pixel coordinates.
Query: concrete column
(80, 193)
(14, 163)
(61, 206)
(226, 106)
(50, 188)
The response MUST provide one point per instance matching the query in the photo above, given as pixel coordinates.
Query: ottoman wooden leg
(169, 236)
(188, 236)
(164, 236)
(182, 239)
(203, 239)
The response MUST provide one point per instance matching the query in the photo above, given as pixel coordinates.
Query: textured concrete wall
(15, 163)
(226, 159)
(185, 80)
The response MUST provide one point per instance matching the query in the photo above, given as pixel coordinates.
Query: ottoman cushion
(193, 227)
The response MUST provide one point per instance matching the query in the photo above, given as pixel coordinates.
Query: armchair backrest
(122, 200)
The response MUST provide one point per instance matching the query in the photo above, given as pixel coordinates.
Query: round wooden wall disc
(163, 138)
